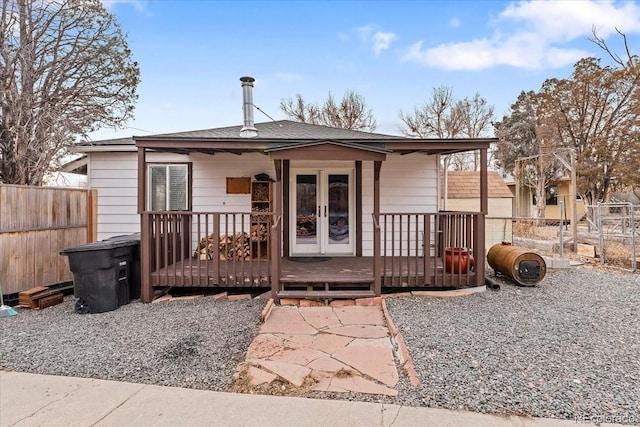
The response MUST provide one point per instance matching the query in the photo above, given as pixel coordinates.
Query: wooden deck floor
(397, 272)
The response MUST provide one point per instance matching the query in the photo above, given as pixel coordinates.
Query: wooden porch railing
(410, 249)
(206, 249)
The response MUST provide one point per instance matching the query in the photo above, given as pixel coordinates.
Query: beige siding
(552, 212)
(500, 208)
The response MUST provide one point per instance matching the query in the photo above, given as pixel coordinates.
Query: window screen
(167, 187)
(177, 197)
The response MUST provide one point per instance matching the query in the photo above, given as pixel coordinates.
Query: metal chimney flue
(248, 129)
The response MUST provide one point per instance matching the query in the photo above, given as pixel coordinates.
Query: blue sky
(192, 53)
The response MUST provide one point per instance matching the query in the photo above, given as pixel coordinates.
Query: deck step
(329, 279)
(327, 294)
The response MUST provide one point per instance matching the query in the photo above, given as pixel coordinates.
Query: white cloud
(139, 5)
(382, 41)
(454, 22)
(379, 40)
(532, 34)
(566, 20)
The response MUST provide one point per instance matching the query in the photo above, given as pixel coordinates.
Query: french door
(322, 212)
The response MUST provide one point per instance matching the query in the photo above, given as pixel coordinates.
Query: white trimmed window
(167, 187)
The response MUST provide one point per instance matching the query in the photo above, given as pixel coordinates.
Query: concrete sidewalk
(44, 400)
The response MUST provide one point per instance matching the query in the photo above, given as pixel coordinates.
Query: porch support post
(377, 165)
(377, 261)
(275, 235)
(142, 179)
(146, 288)
(358, 208)
(286, 191)
(484, 186)
(146, 291)
(480, 226)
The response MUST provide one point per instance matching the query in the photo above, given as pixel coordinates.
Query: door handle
(325, 211)
(319, 212)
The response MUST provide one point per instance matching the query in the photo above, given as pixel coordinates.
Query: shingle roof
(466, 185)
(283, 134)
(115, 141)
(279, 130)
(282, 129)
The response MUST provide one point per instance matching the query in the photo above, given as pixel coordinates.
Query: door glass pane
(338, 209)
(306, 205)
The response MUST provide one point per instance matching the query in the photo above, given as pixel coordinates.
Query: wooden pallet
(50, 300)
(39, 297)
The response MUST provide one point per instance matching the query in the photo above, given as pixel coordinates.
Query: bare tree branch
(65, 70)
(600, 42)
(351, 113)
(442, 116)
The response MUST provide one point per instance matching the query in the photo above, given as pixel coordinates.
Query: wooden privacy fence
(36, 223)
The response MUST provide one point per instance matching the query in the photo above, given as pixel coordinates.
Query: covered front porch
(388, 247)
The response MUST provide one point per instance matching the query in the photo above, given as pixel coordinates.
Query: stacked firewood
(260, 218)
(259, 232)
(235, 247)
(260, 193)
(232, 247)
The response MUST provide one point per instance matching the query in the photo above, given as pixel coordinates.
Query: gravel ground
(194, 344)
(568, 348)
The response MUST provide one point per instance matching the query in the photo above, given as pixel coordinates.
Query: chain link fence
(534, 233)
(617, 226)
(544, 235)
(610, 232)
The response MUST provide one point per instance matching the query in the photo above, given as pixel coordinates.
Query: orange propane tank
(523, 267)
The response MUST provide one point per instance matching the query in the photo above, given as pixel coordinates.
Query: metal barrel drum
(523, 267)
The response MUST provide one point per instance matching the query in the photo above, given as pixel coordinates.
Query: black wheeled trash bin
(101, 275)
(135, 279)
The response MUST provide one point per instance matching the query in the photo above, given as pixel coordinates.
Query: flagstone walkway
(336, 349)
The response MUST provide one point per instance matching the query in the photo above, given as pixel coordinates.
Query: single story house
(311, 211)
